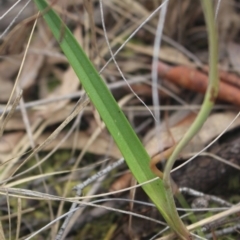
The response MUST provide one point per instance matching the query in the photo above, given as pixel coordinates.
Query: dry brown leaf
(100, 146)
(70, 84)
(167, 137)
(6, 89)
(28, 11)
(14, 42)
(34, 62)
(214, 125)
(132, 6)
(9, 67)
(167, 54)
(8, 141)
(16, 123)
(134, 64)
(176, 11)
(228, 22)
(233, 50)
(121, 183)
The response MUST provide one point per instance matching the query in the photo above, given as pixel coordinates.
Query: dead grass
(38, 172)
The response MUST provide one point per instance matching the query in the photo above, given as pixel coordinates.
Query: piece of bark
(224, 76)
(122, 182)
(195, 80)
(204, 173)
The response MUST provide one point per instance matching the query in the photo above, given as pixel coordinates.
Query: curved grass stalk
(207, 105)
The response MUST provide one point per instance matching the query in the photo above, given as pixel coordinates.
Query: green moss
(98, 228)
(52, 83)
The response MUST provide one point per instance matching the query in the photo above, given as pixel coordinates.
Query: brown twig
(195, 80)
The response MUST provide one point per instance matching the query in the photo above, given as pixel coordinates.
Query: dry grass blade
(9, 213)
(19, 217)
(89, 7)
(70, 221)
(205, 148)
(75, 155)
(78, 108)
(234, 209)
(3, 121)
(2, 236)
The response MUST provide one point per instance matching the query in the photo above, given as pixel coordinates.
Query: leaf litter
(87, 141)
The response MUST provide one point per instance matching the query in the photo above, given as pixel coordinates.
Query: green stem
(207, 105)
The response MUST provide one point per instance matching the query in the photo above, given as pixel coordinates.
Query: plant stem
(207, 105)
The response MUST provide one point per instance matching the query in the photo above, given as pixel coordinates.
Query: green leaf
(130, 146)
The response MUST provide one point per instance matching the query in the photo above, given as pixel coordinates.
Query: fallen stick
(195, 80)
